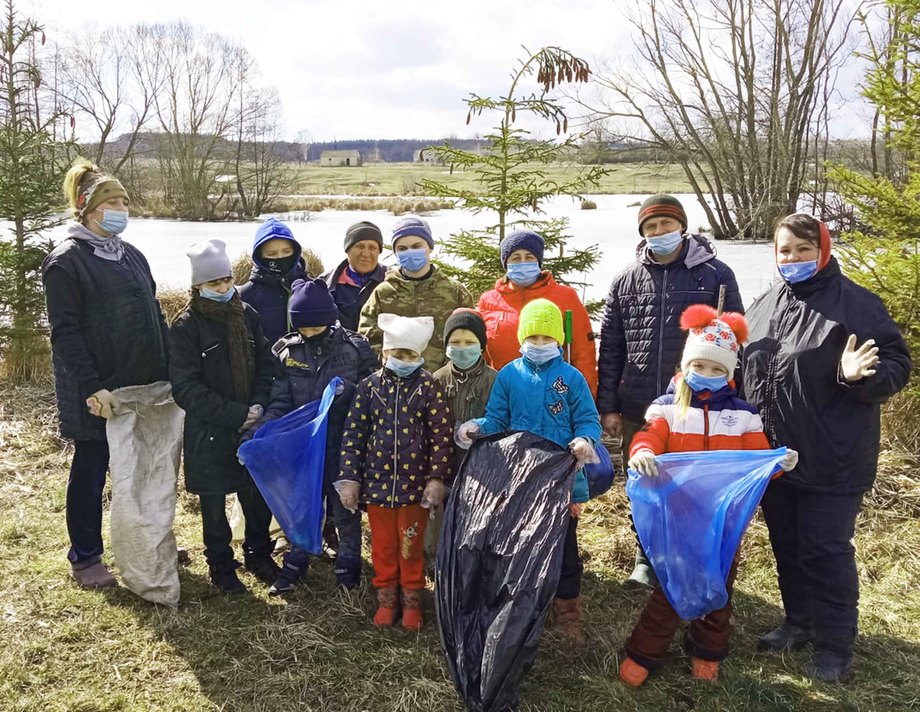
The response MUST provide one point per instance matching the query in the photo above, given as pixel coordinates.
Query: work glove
(856, 364)
(643, 462)
(101, 403)
(465, 433)
(583, 451)
(252, 417)
(348, 491)
(433, 496)
(790, 460)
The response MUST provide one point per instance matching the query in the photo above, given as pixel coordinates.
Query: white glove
(348, 491)
(790, 461)
(583, 451)
(465, 433)
(856, 364)
(255, 412)
(643, 462)
(433, 496)
(101, 403)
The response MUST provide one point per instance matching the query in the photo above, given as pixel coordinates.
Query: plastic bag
(692, 516)
(145, 442)
(286, 458)
(599, 474)
(498, 562)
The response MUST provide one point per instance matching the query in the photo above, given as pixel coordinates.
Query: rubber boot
(643, 575)
(387, 606)
(412, 611)
(567, 615)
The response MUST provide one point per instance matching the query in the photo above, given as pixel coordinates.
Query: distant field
(403, 178)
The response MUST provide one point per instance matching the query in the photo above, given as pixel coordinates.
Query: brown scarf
(242, 359)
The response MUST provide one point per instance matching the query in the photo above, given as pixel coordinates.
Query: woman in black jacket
(822, 356)
(221, 368)
(107, 332)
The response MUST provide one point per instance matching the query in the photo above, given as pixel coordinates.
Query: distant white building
(340, 158)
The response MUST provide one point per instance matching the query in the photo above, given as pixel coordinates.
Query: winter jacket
(551, 400)
(641, 338)
(107, 330)
(797, 335)
(398, 437)
(307, 366)
(350, 297)
(467, 392)
(501, 310)
(199, 368)
(268, 292)
(715, 421)
(435, 295)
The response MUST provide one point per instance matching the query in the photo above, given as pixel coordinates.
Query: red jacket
(501, 310)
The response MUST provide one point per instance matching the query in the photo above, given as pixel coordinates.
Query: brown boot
(387, 606)
(567, 614)
(412, 610)
(96, 575)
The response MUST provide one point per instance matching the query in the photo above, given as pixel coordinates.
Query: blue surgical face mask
(540, 354)
(464, 356)
(217, 296)
(699, 382)
(413, 260)
(795, 272)
(403, 369)
(114, 222)
(523, 274)
(664, 244)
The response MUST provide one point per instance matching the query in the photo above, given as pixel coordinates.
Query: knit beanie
(406, 332)
(469, 319)
(712, 337)
(97, 192)
(209, 261)
(522, 240)
(362, 231)
(311, 304)
(542, 317)
(412, 225)
(663, 205)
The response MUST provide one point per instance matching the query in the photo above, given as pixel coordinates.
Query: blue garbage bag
(599, 474)
(692, 516)
(286, 458)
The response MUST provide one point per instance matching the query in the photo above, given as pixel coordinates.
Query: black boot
(224, 577)
(347, 573)
(829, 666)
(262, 566)
(788, 636)
(294, 571)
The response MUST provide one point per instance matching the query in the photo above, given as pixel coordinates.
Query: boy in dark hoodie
(276, 263)
(312, 354)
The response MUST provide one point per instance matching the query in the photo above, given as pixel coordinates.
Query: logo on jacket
(729, 420)
(294, 363)
(556, 408)
(560, 386)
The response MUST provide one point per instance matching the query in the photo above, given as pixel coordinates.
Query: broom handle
(721, 305)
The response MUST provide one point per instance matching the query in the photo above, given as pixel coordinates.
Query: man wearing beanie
(641, 339)
(524, 281)
(352, 282)
(312, 354)
(415, 288)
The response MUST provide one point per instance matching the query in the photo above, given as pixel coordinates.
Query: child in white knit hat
(397, 452)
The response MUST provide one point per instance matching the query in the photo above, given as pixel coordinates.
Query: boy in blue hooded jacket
(542, 394)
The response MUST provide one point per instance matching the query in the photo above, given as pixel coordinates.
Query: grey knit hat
(209, 261)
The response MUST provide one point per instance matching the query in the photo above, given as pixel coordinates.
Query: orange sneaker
(704, 669)
(632, 673)
(388, 607)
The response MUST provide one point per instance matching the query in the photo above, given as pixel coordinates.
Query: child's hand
(433, 496)
(255, 412)
(465, 433)
(790, 461)
(348, 491)
(583, 451)
(643, 462)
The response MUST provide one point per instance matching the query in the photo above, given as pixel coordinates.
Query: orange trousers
(398, 546)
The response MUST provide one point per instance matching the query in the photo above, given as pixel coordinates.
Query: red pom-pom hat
(712, 337)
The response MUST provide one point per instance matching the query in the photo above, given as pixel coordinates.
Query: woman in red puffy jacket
(524, 281)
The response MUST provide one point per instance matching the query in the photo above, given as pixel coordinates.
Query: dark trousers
(707, 637)
(84, 501)
(570, 579)
(811, 535)
(216, 528)
(348, 529)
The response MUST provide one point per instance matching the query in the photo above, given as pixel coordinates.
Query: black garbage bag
(499, 560)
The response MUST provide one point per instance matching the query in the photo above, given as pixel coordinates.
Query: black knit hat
(522, 240)
(466, 319)
(311, 304)
(663, 205)
(363, 231)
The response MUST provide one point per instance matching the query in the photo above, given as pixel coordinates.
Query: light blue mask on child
(403, 369)
(217, 296)
(795, 272)
(699, 383)
(540, 354)
(523, 274)
(464, 357)
(413, 260)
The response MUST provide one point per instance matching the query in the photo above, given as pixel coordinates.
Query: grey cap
(209, 261)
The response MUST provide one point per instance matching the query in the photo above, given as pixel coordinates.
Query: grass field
(68, 649)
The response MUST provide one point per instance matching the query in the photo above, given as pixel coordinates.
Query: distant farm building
(340, 158)
(426, 155)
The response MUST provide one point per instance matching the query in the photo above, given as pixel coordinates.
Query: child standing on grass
(316, 352)
(221, 370)
(396, 454)
(542, 394)
(701, 411)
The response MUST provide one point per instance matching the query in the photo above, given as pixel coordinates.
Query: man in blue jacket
(352, 282)
(641, 339)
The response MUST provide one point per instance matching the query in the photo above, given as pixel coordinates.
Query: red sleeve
(584, 350)
(755, 440)
(654, 436)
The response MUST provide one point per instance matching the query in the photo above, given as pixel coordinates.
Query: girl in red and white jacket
(700, 411)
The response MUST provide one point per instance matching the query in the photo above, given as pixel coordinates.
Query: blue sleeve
(586, 422)
(733, 301)
(498, 409)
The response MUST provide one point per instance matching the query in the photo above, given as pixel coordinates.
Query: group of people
(424, 373)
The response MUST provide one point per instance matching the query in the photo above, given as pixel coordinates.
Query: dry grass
(69, 649)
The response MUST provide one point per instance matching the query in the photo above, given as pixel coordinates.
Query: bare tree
(735, 92)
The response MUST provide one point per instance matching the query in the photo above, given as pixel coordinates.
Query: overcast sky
(370, 69)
